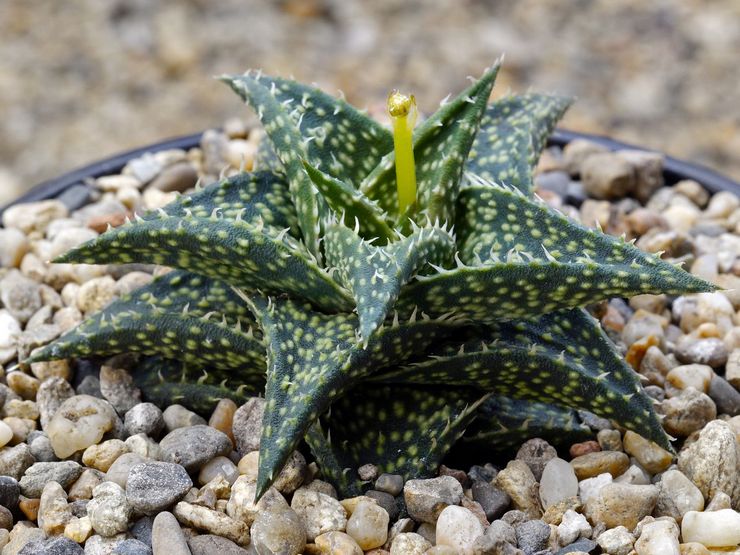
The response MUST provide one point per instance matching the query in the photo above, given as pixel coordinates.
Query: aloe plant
(386, 287)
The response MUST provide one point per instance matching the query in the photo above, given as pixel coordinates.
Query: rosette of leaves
(380, 329)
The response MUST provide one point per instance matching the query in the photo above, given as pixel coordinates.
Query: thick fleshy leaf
(312, 358)
(561, 358)
(375, 275)
(352, 206)
(196, 387)
(441, 146)
(249, 256)
(402, 430)
(180, 316)
(513, 133)
(266, 159)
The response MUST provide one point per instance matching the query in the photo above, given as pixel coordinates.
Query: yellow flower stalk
(402, 109)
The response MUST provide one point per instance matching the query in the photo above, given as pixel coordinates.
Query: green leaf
(532, 260)
(179, 316)
(375, 275)
(266, 159)
(198, 388)
(561, 358)
(245, 255)
(513, 133)
(351, 205)
(402, 430)
(441, 146)
(312, 358)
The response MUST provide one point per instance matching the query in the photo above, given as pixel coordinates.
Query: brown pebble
(24, 385)
(583, 448)
(223, 418)
(554, 513)
(459, 475)
(100, 223)
(637, 350)
(613, 319)
(30, 508)
(593, 464)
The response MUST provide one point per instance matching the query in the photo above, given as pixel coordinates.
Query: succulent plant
(387, 287)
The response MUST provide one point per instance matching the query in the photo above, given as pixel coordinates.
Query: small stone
(241, 505)
(459, 528)
(79, 422)
(691, 375)
(677, 496)
(324, 487)
(247, 425)
(85, 484)
(6, 434)
(193, 446)
(581, 547)
(576, 152)
(109, 510)
(712, 529)
(688, 412)
(116, 182)
(425, 499)
(583, 448)
(120, 469)
(719, 501)
(96, 294)
(20, 296)
(143, 445)
(606, 176)
(649, 454)
(33, 216)
(177, 416)
(351, 503)
(518, 482)
(368, 472)
(54, 513)
(658, 538)
(593, 464)
(536, 453)
(117, 386)
(153, 487)
(167, 536)
(693, 548)
(447, 550)
(212, 521)
(46, 370)
(532, 536)
(617, 541)
(29, 507)
(33, 481)
(132, 547)
(52, 546)
(320, 513)
(390, 483)
(385, 500)
(712, 461)
(558, 482)
(493, 500)
(103, 455)
(409, 543)
(177, 177)
(222, 418)
(337, 543)
(248, 465)
(648, 169)
(218, 466)
(208, 544)
(368, 525)
(13, 245)
(15, 460)
(144, 418)
(732, 369)
(292, 474)
(621, 504)
(554, 513)
(78, 529)
(725, 396)
(100, 545)
(9, 491)
(710, 351)
(10, 329)
(635, 475)
(572, 527)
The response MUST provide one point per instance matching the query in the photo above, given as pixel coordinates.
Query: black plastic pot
(673, 169)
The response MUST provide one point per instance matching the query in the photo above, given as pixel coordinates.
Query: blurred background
(82, 79)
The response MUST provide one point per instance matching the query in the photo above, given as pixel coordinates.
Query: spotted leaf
(441, 146)
(561, 358)
(513, 133)
(375, 275)
(180, 316)
(402, 430)
(312, 358)
(249, 256)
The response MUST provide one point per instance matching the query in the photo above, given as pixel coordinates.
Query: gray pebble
(177, 177)
(119, 470)
(177, 416)
(482, 473)
(710, 351)
(14, 461)
(208, 544)
(725, 396)
(118, 388)
(247, 425)
(390, 483)
(532, 536)
(493, 500)
(9, 492)
(536, 453)
(584, 545)
(6, 518)
(142, 530)
(20, 295)
(76, 196)
(194, 446)
(426, 499)
(78, 507)
(132, 547)
(50, 396)
(40, 447)
(155, 486)
(167, 536)
(385, 500)
(555, 181)
(64, 472)
(52, 546)
(144, 418)
(90, 385)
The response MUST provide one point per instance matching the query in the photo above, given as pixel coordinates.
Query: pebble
(103, 455)
(710, 351)
(593, 464)
(79, 423)
(621, 504)
(132, 547)
(726, 397)
(616, 541)
(658, 538)
(85, 484)
(573, 526)
(6, 434)
(583, 448)
(218, 466)
(118, 388)
(712, 529)
(697, 376)
(518, 482)
(194, 446)
(54, 513)
(241, 505)
(532, 536)
(68, 238)
(425, 499)
(711, 462)
(109, 510)
(368, 525)
(153, 487)
(536, 453)
(558, 482)
(52, 546)
(222, 418)
(143, 445)
(247, 425)
(144, 418)
(581, 547)
(719, 501)
(177, 416)
(208, 544)
(95, 294)
(279, 532)
(385, 500)
(9, 491)
(732, 369)
(120, 469)
(688, 412)
(458, 527)
(648, 168)
(390, 483)
(649, 454)
(677, 496)
(319, 512)
(409, 543)
(33, 216)
(20, 296)
(292, 474)
(99, 545)
(576, 152)
(22, 384)
(33, 481)
(212, 522)
(167, 536)
(13, 245)
(79, 529)
(635, 474)
(177, 177)
(10, 328)
(337, 543)
(46, 370)
(493, 501)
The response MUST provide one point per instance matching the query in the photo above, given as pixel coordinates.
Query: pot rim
(674, 169)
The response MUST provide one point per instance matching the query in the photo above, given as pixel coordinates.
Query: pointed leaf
(180, 316)
(266, 159)
(402, 430)
(351, 205)
(441, 146)
(312, 358)
(513, 133)
(375, 275)
(249, 256)
(560, 358)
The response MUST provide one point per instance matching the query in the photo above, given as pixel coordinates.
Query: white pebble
(6, 434)
(558, 482)
(458, 527)
(713, 528)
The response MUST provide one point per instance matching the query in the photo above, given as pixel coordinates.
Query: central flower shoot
(402, 109)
